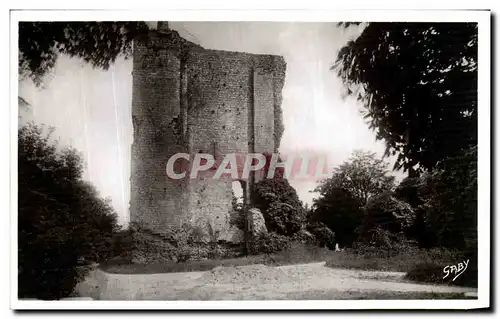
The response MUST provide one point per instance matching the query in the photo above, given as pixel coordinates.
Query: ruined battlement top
(167, 40)
(172, 41)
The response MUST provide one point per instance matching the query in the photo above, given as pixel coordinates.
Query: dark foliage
(445, 203)
(268, 243)
(97, 43)
(122, 243)
(324, 236)
(305, 236)
(339, 211)
(433, 273)
(383, 242)
(284, 218)
(389, 213)
(407, 191)
(449, 203)
(63, 223)
(280, 205)
(426, 272)
(418, 83)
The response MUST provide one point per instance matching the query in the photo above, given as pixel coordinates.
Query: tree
(62, 222)
(337, 209)
(418, 84)
(449, 203)
(407, 191)
(351, 186)
(97, 43)
(385, 212)
(445, 203)
(363, 176)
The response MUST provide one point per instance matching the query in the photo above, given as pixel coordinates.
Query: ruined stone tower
(189, 99)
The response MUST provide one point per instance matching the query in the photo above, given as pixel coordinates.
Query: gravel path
(250, 282)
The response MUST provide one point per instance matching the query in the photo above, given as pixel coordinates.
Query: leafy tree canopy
(337, 209)
(385, 211)
(363, 176)
(418, 84)
(97, 43)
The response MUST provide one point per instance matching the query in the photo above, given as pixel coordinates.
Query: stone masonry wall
(189, 99)
(155, 114)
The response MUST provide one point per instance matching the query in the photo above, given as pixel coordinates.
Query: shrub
(381, 243)
(268, 243)
(324, 236)
(426, 272)
(432, 272)
(305, 236)
(280, 206)
(284, 218)
(273, 190)
(385, 212)
(63, 224)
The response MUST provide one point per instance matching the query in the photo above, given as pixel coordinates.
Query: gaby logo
(239, 166)
(455, 270)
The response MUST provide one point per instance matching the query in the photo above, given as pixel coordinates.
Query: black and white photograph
(302, 158)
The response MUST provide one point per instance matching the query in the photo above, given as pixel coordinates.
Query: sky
(91, 108)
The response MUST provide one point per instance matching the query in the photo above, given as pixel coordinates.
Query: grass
(169, 267)
(420, 265)
(296, 254)
(348, 260)
(400, 261)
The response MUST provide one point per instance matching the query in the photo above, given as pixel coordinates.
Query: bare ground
(259, 282)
